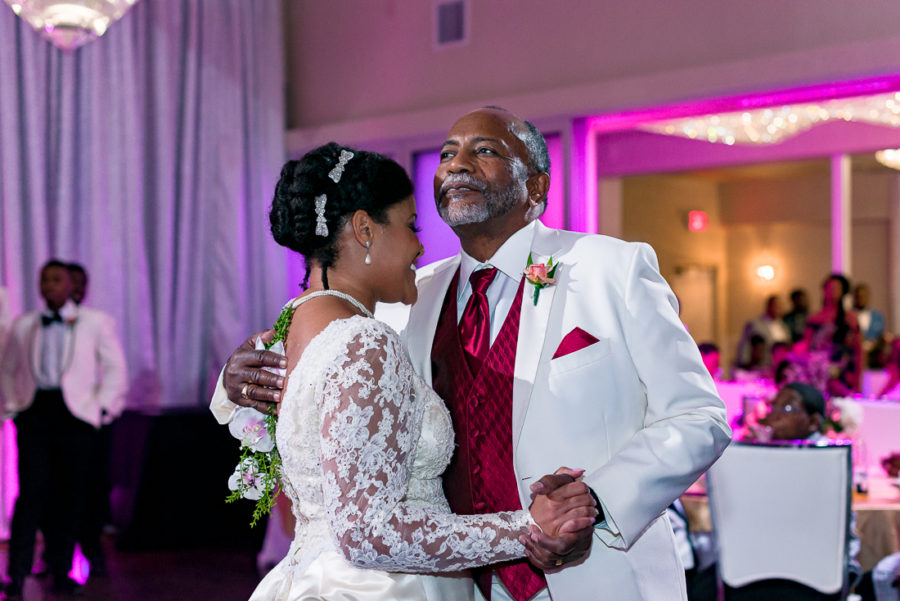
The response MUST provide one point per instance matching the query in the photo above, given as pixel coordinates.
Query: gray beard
(496, 204)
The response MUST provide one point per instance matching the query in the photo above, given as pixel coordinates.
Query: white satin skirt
(331, 578)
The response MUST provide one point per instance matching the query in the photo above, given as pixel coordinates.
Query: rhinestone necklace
(338, 294)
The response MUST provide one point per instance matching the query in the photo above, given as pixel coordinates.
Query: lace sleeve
(369, 431)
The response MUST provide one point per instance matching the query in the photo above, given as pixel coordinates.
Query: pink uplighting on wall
(439, 240)
(555, 215)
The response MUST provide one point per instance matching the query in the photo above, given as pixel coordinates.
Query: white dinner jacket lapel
(35, 339)
(533, 328)
(424, 315)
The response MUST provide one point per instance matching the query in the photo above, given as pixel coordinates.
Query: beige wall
(654, 210)
(784, 222)
(358, 69)
(789, 221)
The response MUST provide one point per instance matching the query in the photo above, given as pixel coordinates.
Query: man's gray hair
(538, 155)
(535, 144)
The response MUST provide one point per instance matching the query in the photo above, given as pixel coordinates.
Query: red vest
(480, 477)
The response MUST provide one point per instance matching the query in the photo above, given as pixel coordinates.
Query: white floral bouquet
(257, 474)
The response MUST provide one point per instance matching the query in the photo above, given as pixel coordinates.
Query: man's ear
(815, 423)
(537, 186)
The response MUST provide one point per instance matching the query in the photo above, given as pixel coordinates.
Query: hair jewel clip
(335, 174)
(321, 224)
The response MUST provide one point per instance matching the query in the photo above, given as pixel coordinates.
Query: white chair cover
(782, 512)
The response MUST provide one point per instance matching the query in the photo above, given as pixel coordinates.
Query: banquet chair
(781, 513)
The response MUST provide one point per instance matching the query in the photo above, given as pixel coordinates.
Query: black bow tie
(46, 320)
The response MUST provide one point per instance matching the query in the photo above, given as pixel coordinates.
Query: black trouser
(96, 498)
(55, 449)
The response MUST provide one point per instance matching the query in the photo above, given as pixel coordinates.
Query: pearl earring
(368, 256)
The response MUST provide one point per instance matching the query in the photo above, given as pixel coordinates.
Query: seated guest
(769, 327)
(797, 413)
(781, 352)
(698, 555)
(709, 352)
(871, 322)
(755, 365)
(883, 583)
(891, 388)
(835, 332)
(886, 578)
(795, 319)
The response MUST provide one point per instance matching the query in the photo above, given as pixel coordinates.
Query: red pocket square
(575, 340)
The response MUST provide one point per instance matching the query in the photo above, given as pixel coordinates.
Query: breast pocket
(580, 358)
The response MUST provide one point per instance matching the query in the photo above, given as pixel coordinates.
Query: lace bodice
(364, 440)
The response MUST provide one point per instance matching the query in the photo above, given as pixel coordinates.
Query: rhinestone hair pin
(335, 174)
(321, 224)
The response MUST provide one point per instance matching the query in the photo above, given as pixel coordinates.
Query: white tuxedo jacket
(637, 409)
(94, 376)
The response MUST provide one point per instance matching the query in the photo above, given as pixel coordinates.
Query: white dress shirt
(52, 354)
(510, 260)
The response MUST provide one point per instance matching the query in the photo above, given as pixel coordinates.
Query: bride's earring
(368, 256)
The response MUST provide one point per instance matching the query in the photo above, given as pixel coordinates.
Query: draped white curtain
(150, 156)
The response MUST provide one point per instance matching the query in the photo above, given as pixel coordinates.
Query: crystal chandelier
(774, 124)
(71, 23)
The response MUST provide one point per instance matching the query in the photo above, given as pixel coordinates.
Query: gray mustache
(462, 179)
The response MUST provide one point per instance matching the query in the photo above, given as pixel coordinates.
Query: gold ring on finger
(244, 394)
(558, 562)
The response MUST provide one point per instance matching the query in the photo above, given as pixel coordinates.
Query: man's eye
(446, 155)
(486, 151)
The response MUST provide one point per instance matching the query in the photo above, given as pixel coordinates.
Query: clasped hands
(565, 510)
(562, 506)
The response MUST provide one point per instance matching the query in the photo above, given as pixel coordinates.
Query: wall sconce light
(765, 272)
(889, 158)
(697, 221)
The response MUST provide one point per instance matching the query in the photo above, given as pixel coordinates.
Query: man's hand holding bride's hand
(245, 380)
(566, 511)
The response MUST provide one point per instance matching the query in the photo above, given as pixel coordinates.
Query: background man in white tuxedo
(599, 372)
(97, 487)
(62, 374)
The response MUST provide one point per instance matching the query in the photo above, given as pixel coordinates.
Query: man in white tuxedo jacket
(62, 374)
(605, 377)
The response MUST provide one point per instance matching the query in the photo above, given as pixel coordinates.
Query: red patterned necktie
(475, 325)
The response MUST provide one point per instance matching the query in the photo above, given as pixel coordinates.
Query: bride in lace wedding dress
(363, 438)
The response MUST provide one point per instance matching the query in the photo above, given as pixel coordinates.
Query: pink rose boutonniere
(540, 275)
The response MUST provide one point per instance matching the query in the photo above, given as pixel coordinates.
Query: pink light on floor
(81, 568)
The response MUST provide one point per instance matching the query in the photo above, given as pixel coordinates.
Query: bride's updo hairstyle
(366, 181)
